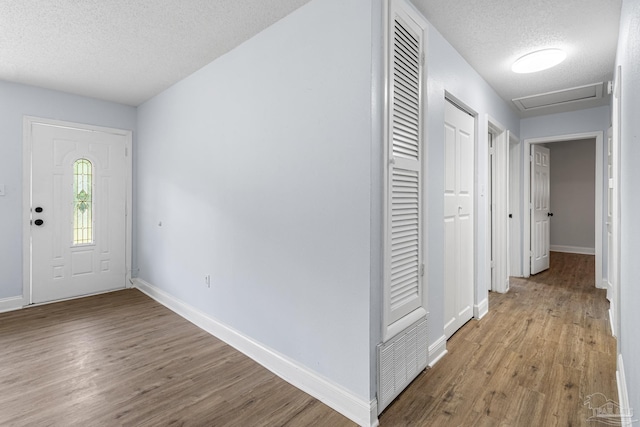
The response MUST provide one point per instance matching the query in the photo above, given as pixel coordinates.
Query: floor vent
(560, 97)
(400, 360)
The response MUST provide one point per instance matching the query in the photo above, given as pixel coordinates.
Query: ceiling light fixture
(538, 61)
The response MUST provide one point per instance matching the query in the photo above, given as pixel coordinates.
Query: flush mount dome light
(538, 61)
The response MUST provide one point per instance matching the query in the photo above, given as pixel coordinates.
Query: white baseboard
(572, 249)
(623, 397)
(10, 304)
(437, 350)
(481, 309)
(611, 324)
(360, 411)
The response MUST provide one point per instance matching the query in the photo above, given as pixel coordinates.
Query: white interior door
(540, 197)
(78, 212)
(458, 217)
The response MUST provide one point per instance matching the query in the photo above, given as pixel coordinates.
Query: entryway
(77, 205)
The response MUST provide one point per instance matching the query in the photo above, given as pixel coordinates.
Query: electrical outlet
(207, 280)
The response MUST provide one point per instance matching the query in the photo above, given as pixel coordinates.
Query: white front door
(540, 197)
(458, 217)
(78, 211)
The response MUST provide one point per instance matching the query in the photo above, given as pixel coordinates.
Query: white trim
(481, 309)
(612, 323)
(437, 350)
(609, 287)
(498, 223)
(623, 396)
(515, 177)
(572, 249)
(27, 124)
(10, 304)
(360, 411)
(526, 214)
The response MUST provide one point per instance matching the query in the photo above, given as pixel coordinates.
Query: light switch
(1, 189)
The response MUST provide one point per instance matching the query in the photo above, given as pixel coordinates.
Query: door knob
(38, 222)
(549, 213)
(38, 209)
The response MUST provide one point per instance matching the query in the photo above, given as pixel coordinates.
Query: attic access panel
(560, 97)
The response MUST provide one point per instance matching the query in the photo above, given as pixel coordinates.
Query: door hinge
(126, 151)
(421, 269)
(422, 60)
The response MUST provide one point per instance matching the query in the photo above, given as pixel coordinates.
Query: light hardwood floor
(532, 361)
(121, 359)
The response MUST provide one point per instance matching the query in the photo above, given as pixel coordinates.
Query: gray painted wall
(629, 58)
(589, 120)
(16, 101)
(259, 168)
(268, 178)
(573, 197)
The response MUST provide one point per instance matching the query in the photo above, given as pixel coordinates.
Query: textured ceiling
(124, 50)
(128, 51)
(492, 34)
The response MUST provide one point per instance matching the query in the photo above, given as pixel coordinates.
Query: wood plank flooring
(532, 361)
(121, 359)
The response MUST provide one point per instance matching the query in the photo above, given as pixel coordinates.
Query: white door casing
(515, 248)
(540, 198)
(458, 218)
(492, 208)
(498, 215)
(613, 208)
(61, 266)
(610, 279)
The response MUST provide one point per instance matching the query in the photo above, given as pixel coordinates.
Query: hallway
(544, 347)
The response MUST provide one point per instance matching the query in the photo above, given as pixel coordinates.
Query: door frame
(526, 211)
(28, 122)
(498, 194)
(515, 231)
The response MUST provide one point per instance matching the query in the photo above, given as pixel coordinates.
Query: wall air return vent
(560, 97)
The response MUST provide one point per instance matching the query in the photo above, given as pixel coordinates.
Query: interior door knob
(38, 222)
(549, 213)
(38, 209)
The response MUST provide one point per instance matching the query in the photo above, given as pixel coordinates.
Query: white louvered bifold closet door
(403, 354)
(404, 240)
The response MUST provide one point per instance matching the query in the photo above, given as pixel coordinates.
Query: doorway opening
(528, 208)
